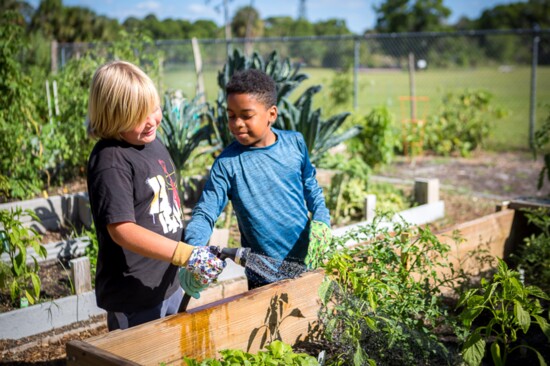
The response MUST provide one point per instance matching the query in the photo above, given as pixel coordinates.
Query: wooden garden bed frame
(289, 307)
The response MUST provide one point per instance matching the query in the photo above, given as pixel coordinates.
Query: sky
(358, 14)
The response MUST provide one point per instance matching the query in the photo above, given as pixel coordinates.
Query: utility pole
(227, 23)
(302, 10)
(227, 26)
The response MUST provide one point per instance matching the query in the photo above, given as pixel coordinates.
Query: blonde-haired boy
(135, 204)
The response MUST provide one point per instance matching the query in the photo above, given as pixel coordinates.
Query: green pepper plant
(387, 294)
(21, 279)
(512, 308)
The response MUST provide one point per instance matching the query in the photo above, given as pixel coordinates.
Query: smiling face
(250, 120)
(146, 131)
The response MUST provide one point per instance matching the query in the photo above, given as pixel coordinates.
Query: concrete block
(426, 191)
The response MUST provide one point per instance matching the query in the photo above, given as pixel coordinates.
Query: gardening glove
(190, 284)
(320, 239)
(203, 266)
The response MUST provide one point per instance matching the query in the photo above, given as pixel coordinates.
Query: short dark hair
(254, 82)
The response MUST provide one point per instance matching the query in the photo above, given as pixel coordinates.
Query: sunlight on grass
(510, 90)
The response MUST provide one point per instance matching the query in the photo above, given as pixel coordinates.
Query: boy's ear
(272, 113)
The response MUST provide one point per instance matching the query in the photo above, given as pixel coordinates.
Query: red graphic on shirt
(173, 186)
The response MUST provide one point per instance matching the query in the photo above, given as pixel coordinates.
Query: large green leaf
(474, 349)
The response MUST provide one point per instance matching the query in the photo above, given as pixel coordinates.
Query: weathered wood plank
(492, 232)
(248, 321)
(81, 274)
(78, 354)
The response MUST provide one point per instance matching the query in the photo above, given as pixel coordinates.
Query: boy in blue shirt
(267, 175)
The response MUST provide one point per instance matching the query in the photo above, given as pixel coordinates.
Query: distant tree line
(53, 20)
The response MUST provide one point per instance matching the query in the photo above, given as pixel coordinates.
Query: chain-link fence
(409, 72)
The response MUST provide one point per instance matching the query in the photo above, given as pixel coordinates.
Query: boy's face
(146, 131)
(250, 121)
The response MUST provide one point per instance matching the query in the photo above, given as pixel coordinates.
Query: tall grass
(510, 89)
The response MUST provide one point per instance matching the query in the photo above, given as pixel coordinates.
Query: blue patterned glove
(320, 239)
(189, 284)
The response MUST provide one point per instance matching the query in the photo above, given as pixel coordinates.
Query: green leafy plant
(387, 294)
(511, 307)
(276, 353)
(378, 140)
(21, 164)
(21, 279)
(462, 124)
(184, 127)
(320, 134)
(350, 185)
(533, 257)
(92, 249)
(338, 95)
(541, 141)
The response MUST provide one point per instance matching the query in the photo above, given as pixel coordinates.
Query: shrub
(462, 124)
(378, 140)
(21, 156)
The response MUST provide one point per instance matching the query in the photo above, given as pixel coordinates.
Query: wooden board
(493, 233)
(286, 310)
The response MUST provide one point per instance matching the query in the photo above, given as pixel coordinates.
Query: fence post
(355, 73)
(370, 207)
(198, 69)
(412, 87)
(533, 100)
(53, 53)
(81, 276)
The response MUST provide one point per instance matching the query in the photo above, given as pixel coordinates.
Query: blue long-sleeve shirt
(273, 189)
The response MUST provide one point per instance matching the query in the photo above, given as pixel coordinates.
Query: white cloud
(149, 5)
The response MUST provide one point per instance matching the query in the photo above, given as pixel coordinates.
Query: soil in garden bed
(48, 349)
(55, 280)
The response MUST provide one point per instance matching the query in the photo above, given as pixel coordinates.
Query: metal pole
(412, 87)
(533, 100)
(53, 54)
(355, 73)
(227, 27)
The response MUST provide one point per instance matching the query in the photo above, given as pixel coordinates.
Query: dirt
(470, 187)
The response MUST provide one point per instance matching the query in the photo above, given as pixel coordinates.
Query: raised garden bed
(238, 322)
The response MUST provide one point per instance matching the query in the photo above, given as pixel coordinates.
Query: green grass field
(511, 91)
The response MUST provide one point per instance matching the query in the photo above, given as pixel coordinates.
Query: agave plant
(287, 78)
(320, 135)
(184, 126)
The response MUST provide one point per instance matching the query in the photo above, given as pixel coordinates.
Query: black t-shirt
(129, 183)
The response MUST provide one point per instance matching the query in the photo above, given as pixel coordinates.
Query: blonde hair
(121, 97)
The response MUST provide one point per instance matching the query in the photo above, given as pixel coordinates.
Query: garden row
(72, 210)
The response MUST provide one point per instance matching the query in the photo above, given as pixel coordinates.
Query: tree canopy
(53, 20)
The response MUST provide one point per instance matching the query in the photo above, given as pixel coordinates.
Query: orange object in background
(413, 120)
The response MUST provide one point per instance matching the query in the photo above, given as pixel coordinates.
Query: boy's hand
(204, 266)
(189, 284)
(320, 239)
